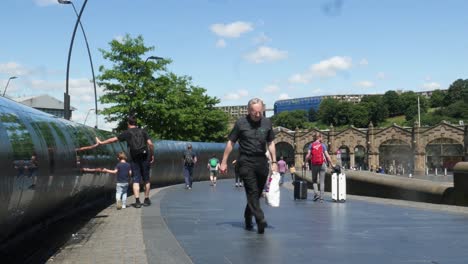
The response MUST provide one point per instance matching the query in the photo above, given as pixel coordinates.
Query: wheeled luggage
(338, 187)
(300, 190)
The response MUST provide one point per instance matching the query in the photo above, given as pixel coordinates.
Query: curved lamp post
(89, 55)
(67, 111)
(6, 86)
(86, 118)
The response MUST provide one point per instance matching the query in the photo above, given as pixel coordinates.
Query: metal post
(67, 112)
(8, 82)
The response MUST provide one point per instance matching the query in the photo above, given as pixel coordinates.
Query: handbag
(272, 197)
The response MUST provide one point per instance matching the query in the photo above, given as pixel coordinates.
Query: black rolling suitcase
(300, 190)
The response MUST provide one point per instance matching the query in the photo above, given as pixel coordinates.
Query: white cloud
(325, 68)
(365, 84)
(261, 39)
(431, 86)
(236, 95)
(119, 38)
(300, 78)
(266, 54)
(14, 69)
(45, 2)
(272, 88)
(363, 62)
(283, 96)
(329, 67)
(381, 75)
(220, 43)
(233, 30)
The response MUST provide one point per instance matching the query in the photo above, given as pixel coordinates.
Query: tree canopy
(168, 106)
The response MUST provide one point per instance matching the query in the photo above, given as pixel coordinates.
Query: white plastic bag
(272, 197)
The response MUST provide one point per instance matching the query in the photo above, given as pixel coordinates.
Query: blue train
(45, 174)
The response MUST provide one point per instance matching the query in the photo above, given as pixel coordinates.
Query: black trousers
(254, 172)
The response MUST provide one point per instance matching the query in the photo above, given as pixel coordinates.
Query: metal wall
(45, 173)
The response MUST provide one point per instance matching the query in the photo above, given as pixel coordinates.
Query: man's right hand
(223, 167)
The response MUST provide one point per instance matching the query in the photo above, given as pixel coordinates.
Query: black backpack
(188, 158)
(137, 144)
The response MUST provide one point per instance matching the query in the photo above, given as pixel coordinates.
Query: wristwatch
(273, 162)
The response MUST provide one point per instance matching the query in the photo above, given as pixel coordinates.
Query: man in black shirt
(254, 133)
(142, 155)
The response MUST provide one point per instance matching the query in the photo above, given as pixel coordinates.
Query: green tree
(376, 109)
(458, 90)
(392, 100)
(437, 98)
(359, 116)
(168, 106)
(312, 115)
(327, 112)
(410, 104)
(290, 119)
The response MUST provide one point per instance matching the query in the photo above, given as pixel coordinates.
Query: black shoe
(147, 202)
(137, 204)
(316, 197)
(248, 224)
(261, 226)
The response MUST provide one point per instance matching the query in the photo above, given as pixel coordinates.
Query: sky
(239, 49)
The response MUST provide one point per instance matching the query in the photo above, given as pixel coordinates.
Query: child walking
(123, 171)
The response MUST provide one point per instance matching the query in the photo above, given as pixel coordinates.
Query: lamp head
(65, 2)
(155, 58)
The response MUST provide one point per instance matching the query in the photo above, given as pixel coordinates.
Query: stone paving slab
(205, 225)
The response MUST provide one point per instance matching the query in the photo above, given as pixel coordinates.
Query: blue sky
(238, 49)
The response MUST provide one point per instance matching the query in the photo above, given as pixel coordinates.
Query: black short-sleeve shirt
(252, 136)
(127, 136)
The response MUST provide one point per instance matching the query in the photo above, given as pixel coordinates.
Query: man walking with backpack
(319, 158)
(141, 156)
(190, 159)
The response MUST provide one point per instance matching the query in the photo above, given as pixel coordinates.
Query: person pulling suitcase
(320, 159)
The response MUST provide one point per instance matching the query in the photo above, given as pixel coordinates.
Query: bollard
(427, 171)
(445, 171)
(436, 171)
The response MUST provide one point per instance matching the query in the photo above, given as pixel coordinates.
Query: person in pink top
(282, 167)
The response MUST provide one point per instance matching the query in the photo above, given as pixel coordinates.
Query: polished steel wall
(46, 171)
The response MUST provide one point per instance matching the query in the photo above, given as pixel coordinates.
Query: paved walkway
(205, 225)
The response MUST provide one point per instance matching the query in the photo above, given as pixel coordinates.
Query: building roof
(42, 101)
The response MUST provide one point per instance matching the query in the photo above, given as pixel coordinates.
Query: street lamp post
(67, 111)
(89, 55)
(6, 86)
(87, 114)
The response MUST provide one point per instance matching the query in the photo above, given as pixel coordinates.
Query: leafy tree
(168, 106)
(343, 110)
(312, 115)
(359, 116)
(458, 90)
(392, 100)
(376, 109)
(327, 112)
(410, 104)
(437, 98)
(290, 119)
